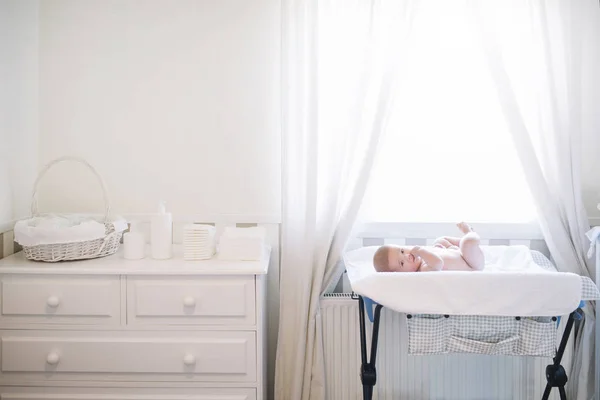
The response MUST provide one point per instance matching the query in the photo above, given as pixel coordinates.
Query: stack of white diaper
(242, 244)
(198, 242)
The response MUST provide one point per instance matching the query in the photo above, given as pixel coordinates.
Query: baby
(446, 254)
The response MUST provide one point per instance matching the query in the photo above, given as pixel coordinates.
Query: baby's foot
(464, 227)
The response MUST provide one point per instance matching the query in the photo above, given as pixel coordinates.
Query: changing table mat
(511, 284)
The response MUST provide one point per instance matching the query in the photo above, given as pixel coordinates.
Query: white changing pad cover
(511, 284)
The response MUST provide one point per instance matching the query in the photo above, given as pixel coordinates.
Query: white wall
(591, 139)
(6, 203)
(18, 105)
(174, 100)
(591, 175)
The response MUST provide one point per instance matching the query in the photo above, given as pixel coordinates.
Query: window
(447, 154)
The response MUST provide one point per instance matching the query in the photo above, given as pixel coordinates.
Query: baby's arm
(431, 261)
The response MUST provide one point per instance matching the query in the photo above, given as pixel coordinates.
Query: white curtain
(339, 61)
(544, 59)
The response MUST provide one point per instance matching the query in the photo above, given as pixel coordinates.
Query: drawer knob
(189, 301)
(53, 358)
(189, 359)
(53, 301)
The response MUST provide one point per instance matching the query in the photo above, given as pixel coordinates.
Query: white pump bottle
(161, 234)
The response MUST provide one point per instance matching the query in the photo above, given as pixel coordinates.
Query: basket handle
(34, 205)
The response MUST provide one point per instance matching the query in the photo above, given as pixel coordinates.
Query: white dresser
(113, 329)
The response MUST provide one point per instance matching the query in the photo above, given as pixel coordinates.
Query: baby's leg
(471, 252)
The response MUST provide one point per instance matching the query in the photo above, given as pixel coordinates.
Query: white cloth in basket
(512, 284)
(58, 228)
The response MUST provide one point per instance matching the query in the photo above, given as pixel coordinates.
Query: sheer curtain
(339, 61)
(454, 139)
(543, 57)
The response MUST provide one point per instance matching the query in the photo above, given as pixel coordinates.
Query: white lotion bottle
(161, 234)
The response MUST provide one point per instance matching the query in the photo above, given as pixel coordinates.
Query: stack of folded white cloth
(242, 244)
(63, 228)
(198, 242)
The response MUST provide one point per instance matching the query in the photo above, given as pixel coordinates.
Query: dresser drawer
(220, 300)
(205, 356)
(60, 299)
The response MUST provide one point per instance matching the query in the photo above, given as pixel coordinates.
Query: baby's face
(400, 260)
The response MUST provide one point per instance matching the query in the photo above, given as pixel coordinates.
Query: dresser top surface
(117, 265)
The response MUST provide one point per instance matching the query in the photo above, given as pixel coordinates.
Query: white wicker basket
(54, 252)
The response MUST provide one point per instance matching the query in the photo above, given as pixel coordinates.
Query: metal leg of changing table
(368, 373)
(555, 373)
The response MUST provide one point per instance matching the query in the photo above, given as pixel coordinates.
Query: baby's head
(390, 258)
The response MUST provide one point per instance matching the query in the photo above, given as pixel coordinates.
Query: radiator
(401, 376)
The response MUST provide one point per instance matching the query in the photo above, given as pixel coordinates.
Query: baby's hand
(415, 250)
